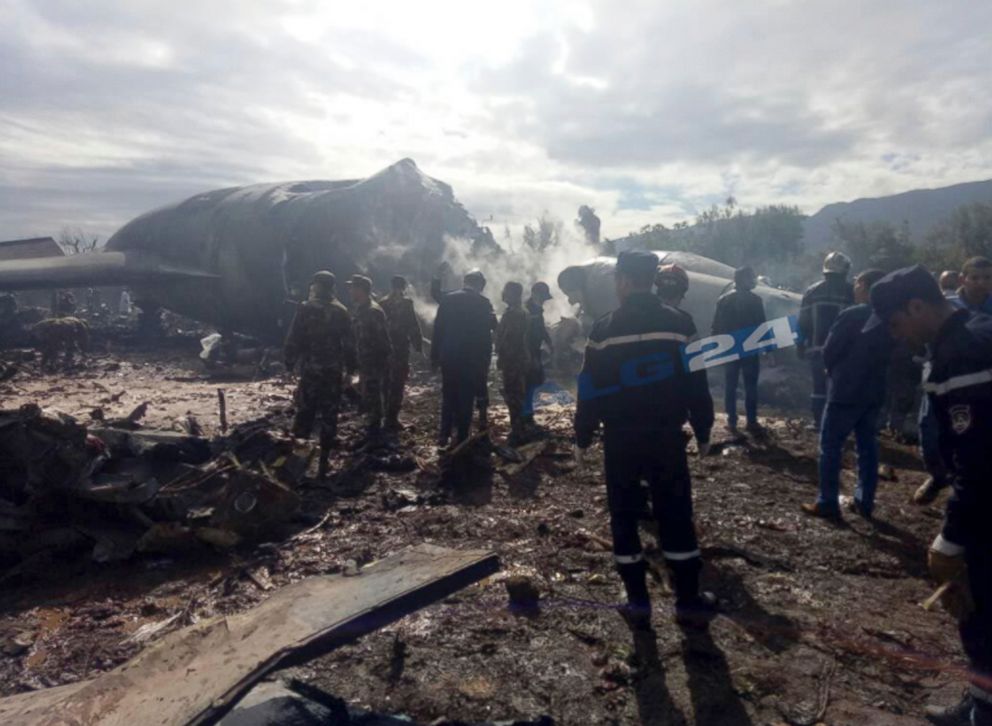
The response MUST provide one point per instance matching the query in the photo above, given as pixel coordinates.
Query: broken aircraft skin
(233, 257)
(591, 286)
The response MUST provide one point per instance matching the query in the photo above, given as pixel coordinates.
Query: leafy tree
(546, 234)
(768, 237)
(966, 233)
(875, 244)
(75, 241)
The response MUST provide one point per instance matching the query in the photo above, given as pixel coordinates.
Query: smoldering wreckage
(169, 556)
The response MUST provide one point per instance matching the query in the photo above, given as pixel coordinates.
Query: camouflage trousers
(399, 372)
(515, 394)
(318, 395)
(374, 387)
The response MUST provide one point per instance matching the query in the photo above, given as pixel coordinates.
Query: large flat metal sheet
(194, 675)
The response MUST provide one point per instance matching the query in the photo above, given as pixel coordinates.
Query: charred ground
(821, 622)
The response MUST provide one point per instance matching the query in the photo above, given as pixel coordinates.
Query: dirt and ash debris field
(821, 622)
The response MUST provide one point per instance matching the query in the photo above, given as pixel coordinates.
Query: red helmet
(672, 280)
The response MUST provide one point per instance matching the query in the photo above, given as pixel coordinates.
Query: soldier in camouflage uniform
(513, 357)
(321, 342)
(404, 333)
(65, 335)
(374, 352)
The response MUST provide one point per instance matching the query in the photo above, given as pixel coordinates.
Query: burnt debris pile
(120, 489)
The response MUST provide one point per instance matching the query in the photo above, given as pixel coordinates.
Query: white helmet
(837, 262)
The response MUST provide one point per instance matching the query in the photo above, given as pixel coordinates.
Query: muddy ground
(821, 623)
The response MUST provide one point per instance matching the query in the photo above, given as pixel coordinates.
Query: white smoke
(520, 262)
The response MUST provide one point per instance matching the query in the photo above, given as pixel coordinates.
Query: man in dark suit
(462, 349)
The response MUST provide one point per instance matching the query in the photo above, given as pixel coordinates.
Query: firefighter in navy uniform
(820, 306)
(634, 383)
(959, 387)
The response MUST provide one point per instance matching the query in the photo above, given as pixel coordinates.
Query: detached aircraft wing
(93, 269)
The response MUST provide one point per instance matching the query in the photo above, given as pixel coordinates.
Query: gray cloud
(112, 108)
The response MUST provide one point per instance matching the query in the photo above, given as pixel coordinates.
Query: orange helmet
(672, 281)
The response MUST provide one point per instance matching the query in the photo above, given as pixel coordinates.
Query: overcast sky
(648, 111)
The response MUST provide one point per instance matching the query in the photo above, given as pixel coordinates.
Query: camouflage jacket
(321, 337)
(372, 334)
(401, 320)
(511, 340)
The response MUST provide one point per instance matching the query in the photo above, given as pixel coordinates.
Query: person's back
(462, 349)
(401, 318)
(820, 306)
(662, 399)
(320, 336)
(635, 382)
(738, 310)
(463, 325)
(856, 362)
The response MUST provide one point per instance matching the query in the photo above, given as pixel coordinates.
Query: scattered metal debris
(195, 675)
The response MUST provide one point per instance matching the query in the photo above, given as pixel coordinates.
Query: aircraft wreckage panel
(260, 244)
(194, 675)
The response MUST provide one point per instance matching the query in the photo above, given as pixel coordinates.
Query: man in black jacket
(634, 382)
(820, 306)
(737, 311)
(856, 365)
(959, 387)
(462, 347)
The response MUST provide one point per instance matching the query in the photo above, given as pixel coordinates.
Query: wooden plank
(195, 675)
(529, 452)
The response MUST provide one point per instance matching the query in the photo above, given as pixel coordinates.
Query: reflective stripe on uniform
(980, 694)
(679, 556)
(625, 339)
(629, 559)
(956, 382)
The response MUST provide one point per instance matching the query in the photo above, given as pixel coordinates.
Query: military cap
(323, 277)
(398, 282)
(361, 281)
(541, 290)
(637, 264)
(892, 292)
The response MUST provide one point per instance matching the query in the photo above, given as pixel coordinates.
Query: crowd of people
(637, 392)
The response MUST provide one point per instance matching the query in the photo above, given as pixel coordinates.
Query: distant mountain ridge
(920, 209)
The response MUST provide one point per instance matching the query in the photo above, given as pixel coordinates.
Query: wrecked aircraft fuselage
(233, 257)
(591, 285)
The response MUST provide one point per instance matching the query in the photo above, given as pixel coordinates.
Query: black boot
(693, 609)
(637, 610)
(958, 713)
(929, 490)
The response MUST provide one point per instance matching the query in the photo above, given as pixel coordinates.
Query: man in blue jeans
(738, 310)
(856, 369)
